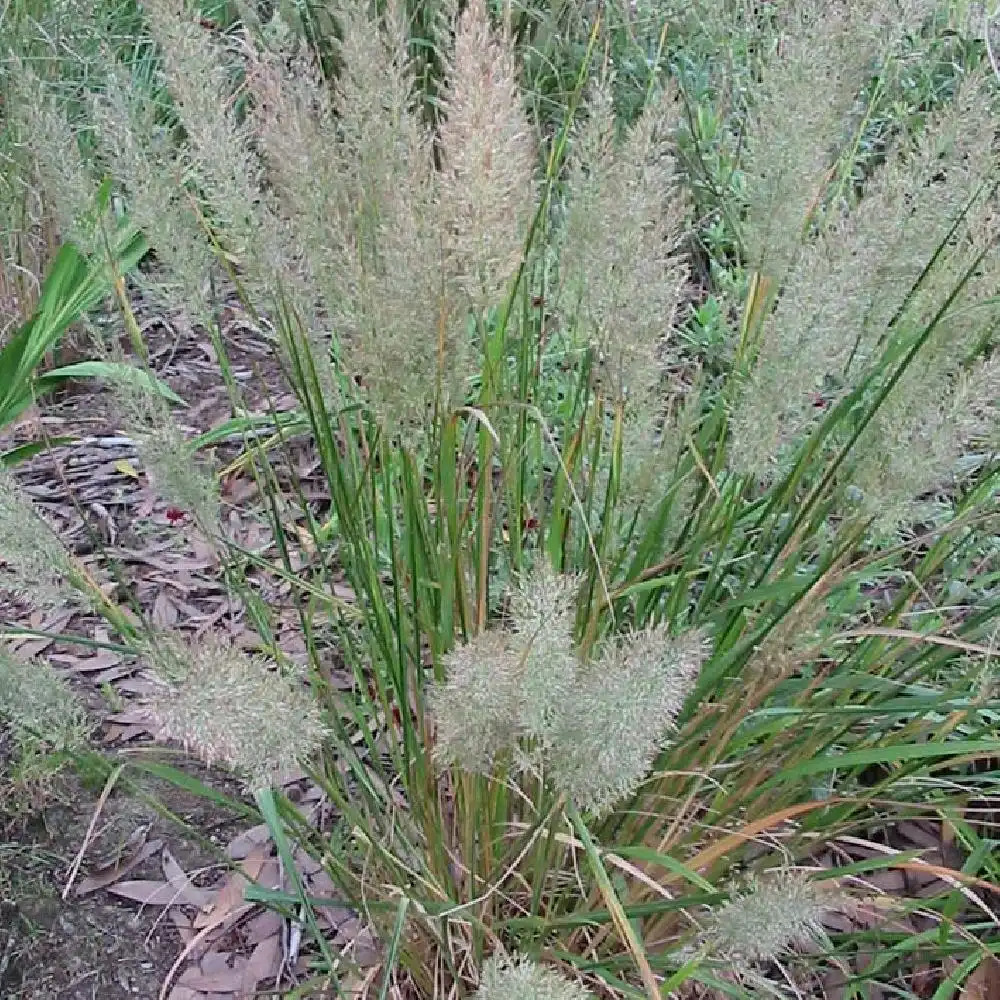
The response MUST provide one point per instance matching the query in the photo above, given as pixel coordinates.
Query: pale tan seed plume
(34, 565)
(67, 183)
(476, 707)
(592, 729)
(946, 398)
(849, 283)
(518, 977)
(542, 617)
(150, 170)
(808, 86)
(234, 709)
(355, 172)
(621, 263)
(40, 707)
(608, 734)
(222, 163)
(179, 475)
(487, 152)
(772, 915)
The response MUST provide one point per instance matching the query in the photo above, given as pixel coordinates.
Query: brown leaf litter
(96, 495)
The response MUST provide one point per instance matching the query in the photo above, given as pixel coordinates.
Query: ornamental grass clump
(587, 633)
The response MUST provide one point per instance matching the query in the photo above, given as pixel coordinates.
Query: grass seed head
(521, 978)
(235, 709)
(476, 707)
(487, 189)
(40, 706)
(542, 612)
(610, 731)
(770, 917)
(621, 266)
(34, 564)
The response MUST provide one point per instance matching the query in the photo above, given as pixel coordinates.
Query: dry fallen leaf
(264, 963)
(241, 846)
(265, 924)
(102, 660)
(223, 980)
(230, 896)
(186, 891)
(122, 734)
(984, 983)
(146, 891)
(164, 613)
(182, 922)
(107, 874)
(183, 993)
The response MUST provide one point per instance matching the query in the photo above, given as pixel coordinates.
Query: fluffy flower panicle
(163, 449)
(807, 89)
(542, 610)
(40, 706)
(849, 283)
(621, 265)
(772, 916)
(593, 728)
(477, 705)
(521, 978)
(235, 709)
(620, 716)
(487, 191)
(33, 562)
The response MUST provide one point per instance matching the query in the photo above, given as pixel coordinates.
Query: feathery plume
(381, 141)
(197, 73)
(849, 284)
(609, 733)
(222, 162)
(521, 978)
(34, 564)
(67, 183)
(398, 307)
(150, 170)
(913, 442)
(40, 706)
(594, 729)
(772, 916)
(542, 610)
(807, 89)
(476, 708)
(179, 477)
(293, 126)
(487, 194)
(913, 447)
(357, 184)
(235, 709)
(622, 272)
